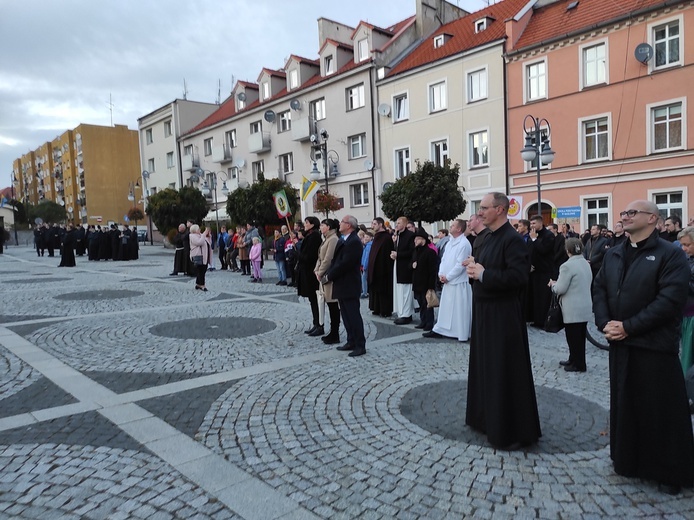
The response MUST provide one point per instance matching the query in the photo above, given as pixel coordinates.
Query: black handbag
(555, 320)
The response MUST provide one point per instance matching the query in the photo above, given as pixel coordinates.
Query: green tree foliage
(255, 203)
(135, 214)
(169, 207)
(48, 211)
(429, 194)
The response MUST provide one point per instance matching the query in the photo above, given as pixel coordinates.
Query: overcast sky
(60, 60)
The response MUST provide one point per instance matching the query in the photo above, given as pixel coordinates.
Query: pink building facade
(617, 120)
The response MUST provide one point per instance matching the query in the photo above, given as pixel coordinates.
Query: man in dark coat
(180, 263)
(560, 255)
(501, 398)
(596, 245)
(425, 269)
(39, 241)
(345, 273)
(133, 245)
(104, 243)
(80, 240)
(542, 267)
(48, 239)
(403, 297)
(638, 297)
(379, 275)
(67, 258)
(114, 234)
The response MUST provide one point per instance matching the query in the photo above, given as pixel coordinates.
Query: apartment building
(312, 114)
(158, 141)
(613, 80)
(446, 101)
(91, 170)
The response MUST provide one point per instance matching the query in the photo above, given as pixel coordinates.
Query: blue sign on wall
(569, 212)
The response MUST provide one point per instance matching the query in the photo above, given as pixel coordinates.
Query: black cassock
(115, 244)
(380, 275)
(501, 398)
(67, 259)
(104, 239)
(180, 259)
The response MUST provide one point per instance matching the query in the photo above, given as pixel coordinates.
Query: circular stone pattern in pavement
(99, 295)
(212, 328)
(39, 280)
(569, 423)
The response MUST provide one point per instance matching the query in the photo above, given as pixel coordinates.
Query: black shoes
(318, 331)
(345, 347)
(432, 335)
(574, 368)
(420, 326)
(331, 339)
(403, 321)
(173, 274)
(283, 283)
(666, 488)
(356, 353)
(565, 363)
(311, 329)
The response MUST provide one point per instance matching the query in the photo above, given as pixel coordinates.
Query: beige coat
(325, 258)
(573, 287)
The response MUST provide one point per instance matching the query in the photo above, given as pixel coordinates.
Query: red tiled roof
(554, 20)
(328, 41)
(463, 36)
(300, 59)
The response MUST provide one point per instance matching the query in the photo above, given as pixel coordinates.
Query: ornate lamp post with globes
(537, 147)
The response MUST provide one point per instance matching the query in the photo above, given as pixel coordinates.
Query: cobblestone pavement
(125, 393)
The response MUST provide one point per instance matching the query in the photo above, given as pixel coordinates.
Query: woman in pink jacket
(255, 257)
(200, 253)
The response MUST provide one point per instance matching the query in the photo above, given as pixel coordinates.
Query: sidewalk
(125, 393)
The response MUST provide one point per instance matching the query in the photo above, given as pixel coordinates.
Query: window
(357, 146)
(317, 109)
(329, 63)
(401, 108)
(170, 160)
(403, 166)
(439, 152)
(596, 139)
(476, 85)
(360, 194)
(363, 49)
(230, 138)
(167, 129)
(479, 149)
(438, 41)
(669, 203)
(536, 81)
(240, 104)
(666, 43)
(256, 127)
(293, 78)
(150, 165)
(188, 150)
(207, 146)
(284, 122)
(355, 97)
(286, 163)
(266, 90)
(480, 25)
(234, 172)
(594, 64)
(148, 136)
(597, 211)
(437, 96)
(258, 170)
(666, 127)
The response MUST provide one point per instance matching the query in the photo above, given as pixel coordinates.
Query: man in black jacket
(345, 273)
(403, 299)
(596, 245)
(638, 297)
(541, 268)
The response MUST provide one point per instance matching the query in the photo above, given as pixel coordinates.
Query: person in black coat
(48, 239)
(638, 297)
(542, 266)
(180, 262)
(133, 245)
(345, 274)
(403, 298)
(379, 275)
(114, 235)
(39, 241)
(307, 283)
(80, 240)
(104, 243)
(67, 258)
(92, 243)
(425, 268)
(595, 247)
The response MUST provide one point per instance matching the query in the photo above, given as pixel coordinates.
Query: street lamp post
(206, 188)
(537, 147)
(14, 211)
(319, 143)
(145, 178)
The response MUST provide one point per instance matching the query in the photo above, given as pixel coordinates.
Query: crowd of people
(112, 242)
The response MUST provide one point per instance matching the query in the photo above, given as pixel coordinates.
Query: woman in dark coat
(93, 243)
(307, 283)
(425, 270)
(67, 258)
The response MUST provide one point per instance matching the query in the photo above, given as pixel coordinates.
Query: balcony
(190, 163)
(221, 154)
(302, 129)
(259, 142)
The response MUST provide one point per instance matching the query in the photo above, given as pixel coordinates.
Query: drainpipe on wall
(374, 115)
(506, 129)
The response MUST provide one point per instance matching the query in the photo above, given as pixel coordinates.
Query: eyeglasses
(485, 208)
(631, 213)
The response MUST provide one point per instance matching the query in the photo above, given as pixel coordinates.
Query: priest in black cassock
(180, 259)
(67, 258)
(380, 271)
(501, 399)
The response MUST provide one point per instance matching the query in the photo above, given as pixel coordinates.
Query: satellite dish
(241, 96)
(295, 104)
(38, 221)
(384, 109)
(240, 163)
(269, 116)
(368, 164)
(69, 209)
(387, 185)
(643, 53)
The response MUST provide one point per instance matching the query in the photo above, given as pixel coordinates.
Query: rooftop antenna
(110, 107)
(233, 82)
(219, 91)
(185, 89)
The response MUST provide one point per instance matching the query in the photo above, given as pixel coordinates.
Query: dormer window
(293, 78)
(438, 41)
(482, 24)
(363, 49)
(266, 90)
(329, 65)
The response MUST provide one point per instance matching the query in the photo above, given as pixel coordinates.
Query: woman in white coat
(573, 288)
